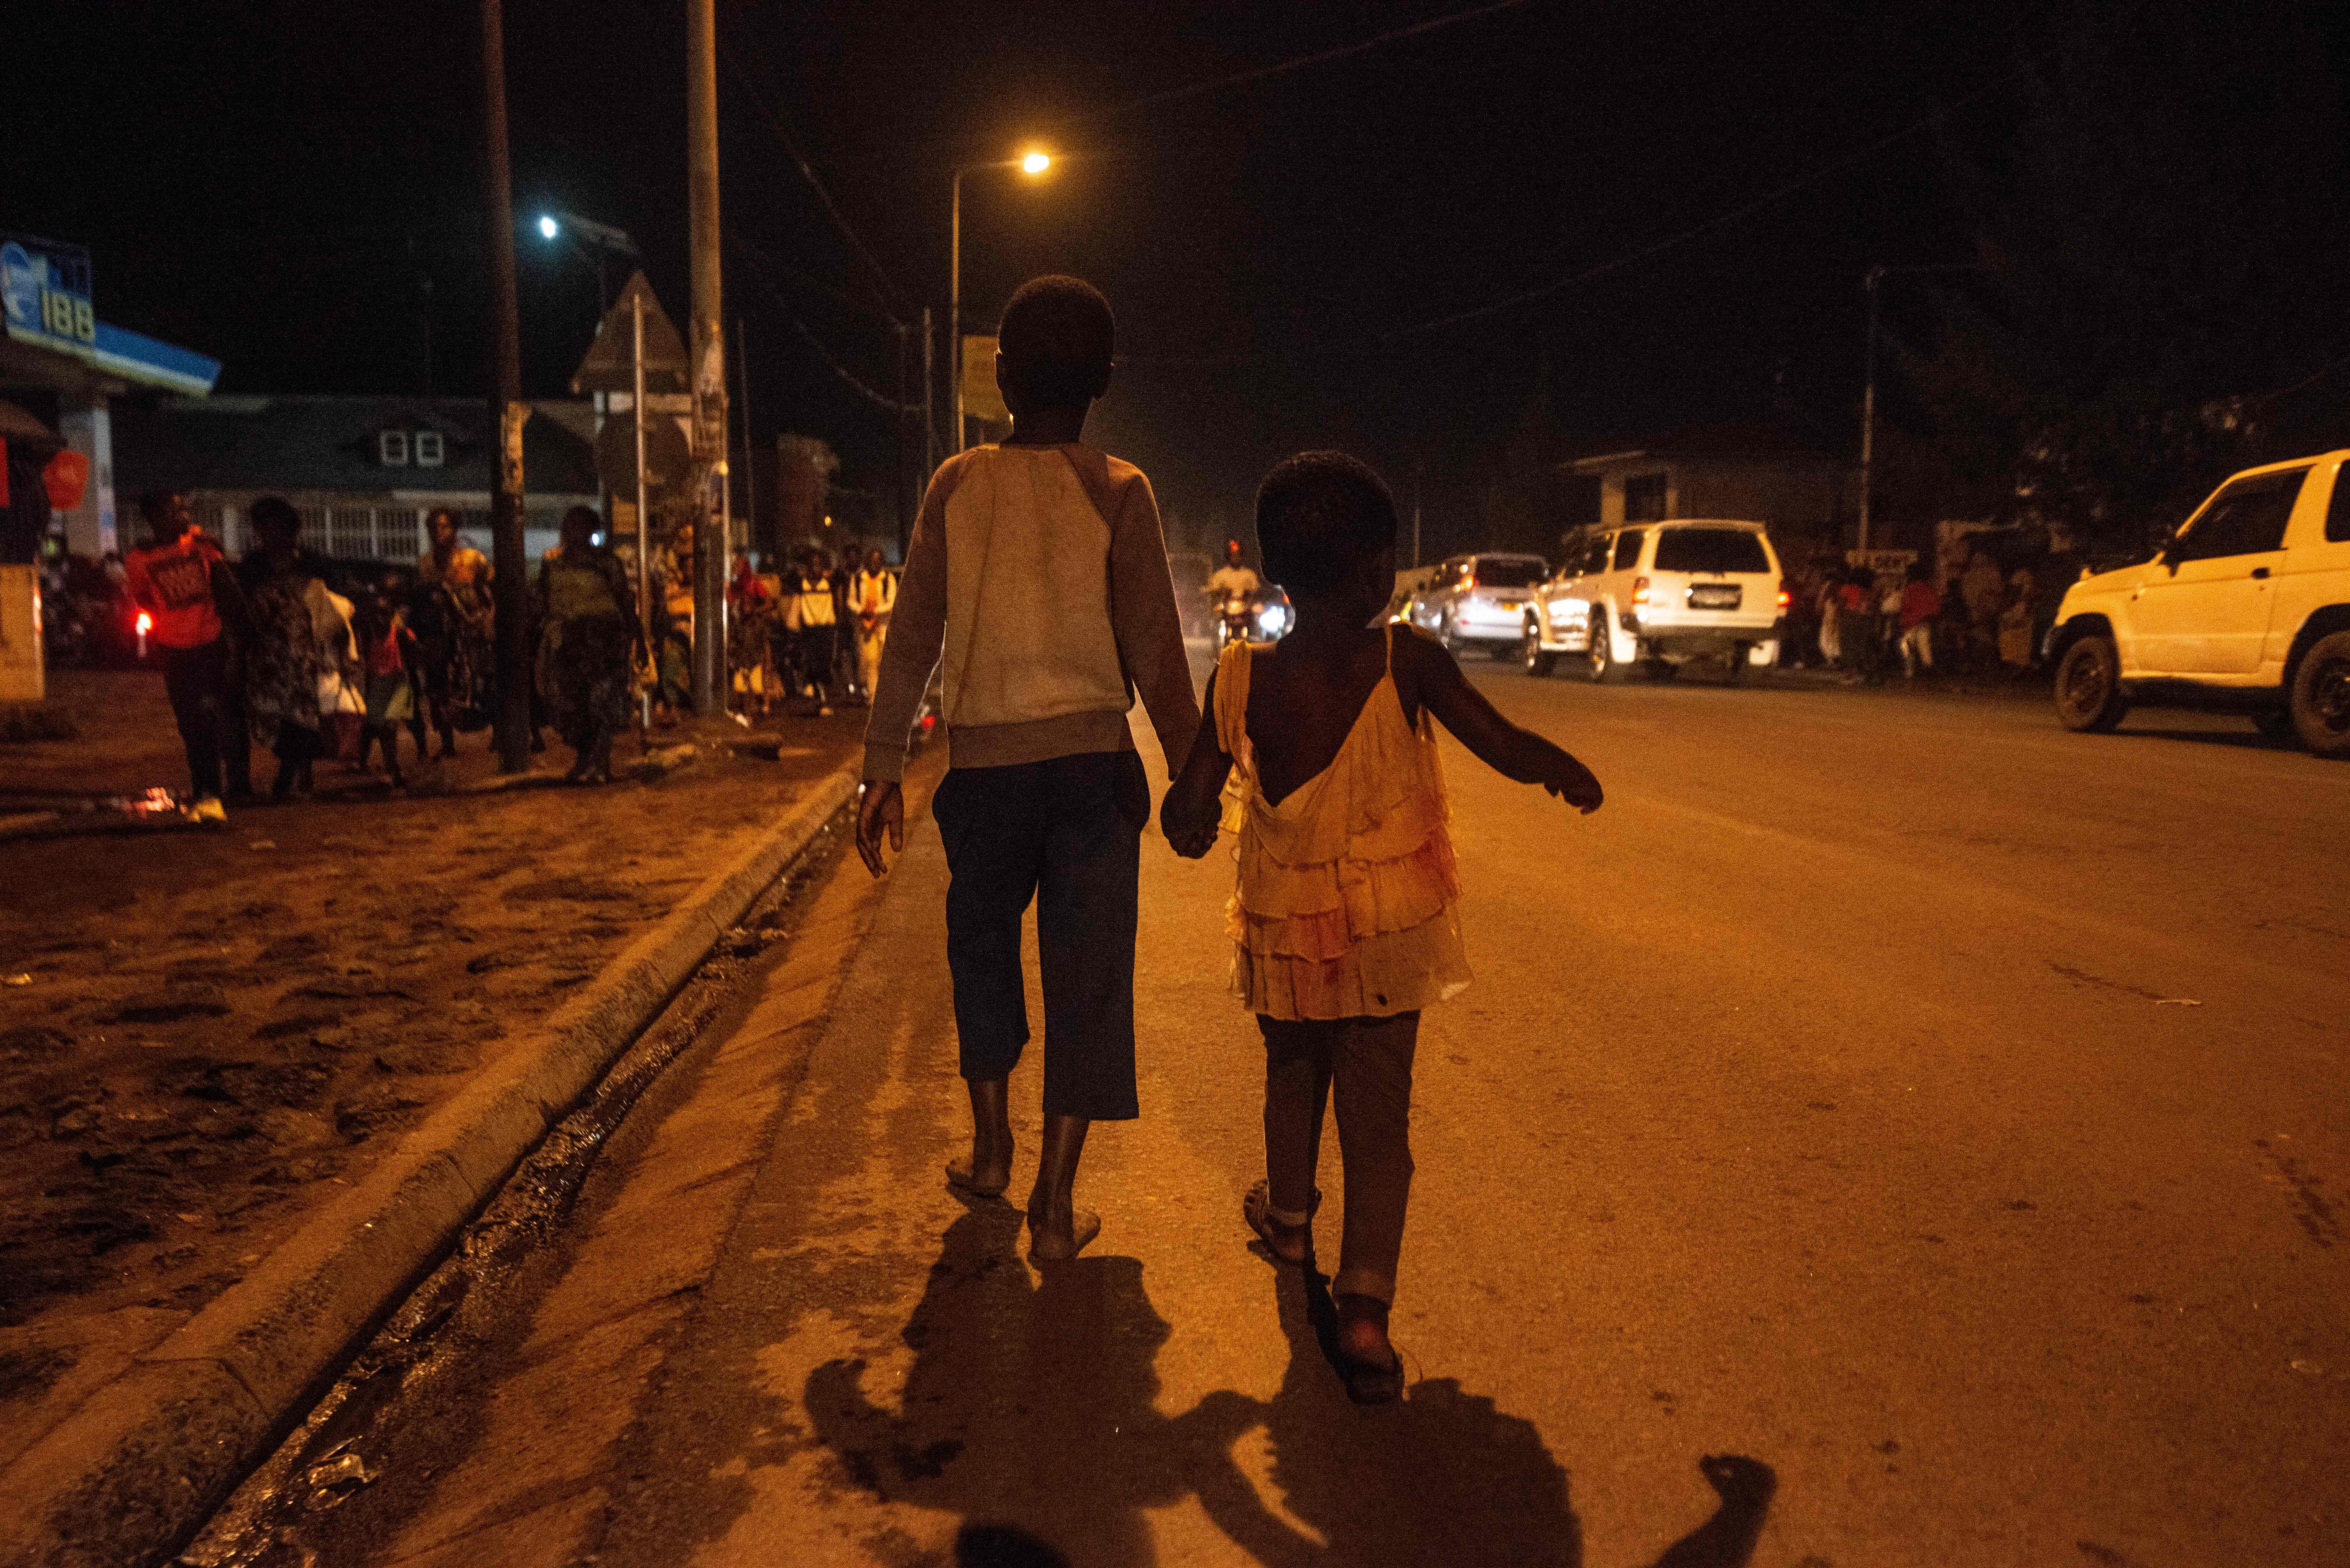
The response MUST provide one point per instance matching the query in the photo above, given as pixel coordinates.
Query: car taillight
(1640, 590)
(1785, 599)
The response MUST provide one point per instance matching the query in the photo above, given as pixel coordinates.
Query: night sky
(296, 191)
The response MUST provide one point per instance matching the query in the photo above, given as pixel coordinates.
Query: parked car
(1478, 599)
(1659, 595)
(2247, 606)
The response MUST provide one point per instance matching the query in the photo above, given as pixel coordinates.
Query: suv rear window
(1710, 550)
(1509, 573)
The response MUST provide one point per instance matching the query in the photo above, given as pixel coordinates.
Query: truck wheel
(1606, 670)
(2321, 695)
(1538, 662)
(2089, 686)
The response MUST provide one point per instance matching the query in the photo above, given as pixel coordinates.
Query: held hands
(1191, 833)
(880, 808)
(1574, 784)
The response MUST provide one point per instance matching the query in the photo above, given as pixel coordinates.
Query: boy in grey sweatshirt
(1037, 573)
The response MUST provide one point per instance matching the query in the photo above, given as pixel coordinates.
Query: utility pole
(905, 414)
(750, 469)
(508, 413)
(1868, 404)
(708, 352)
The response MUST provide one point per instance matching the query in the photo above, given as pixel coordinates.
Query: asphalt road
(1938, 1112)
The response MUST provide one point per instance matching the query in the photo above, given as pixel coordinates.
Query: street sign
(44, 289)
(669, 452)
(607, 367)
(981, 398)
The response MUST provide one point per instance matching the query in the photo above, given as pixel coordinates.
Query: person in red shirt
(182, 583)
(1921, 601)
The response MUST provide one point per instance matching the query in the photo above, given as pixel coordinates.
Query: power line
(1744, 210)
(849, 378)
(887, 290)
(1298, 63)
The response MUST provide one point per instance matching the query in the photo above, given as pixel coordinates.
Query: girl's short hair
(1319, 515)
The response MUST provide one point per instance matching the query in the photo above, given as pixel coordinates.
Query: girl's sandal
(1256, 1208)
(1370, 1384)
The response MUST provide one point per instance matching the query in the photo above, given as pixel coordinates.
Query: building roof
(329, 443)
(1740, 440)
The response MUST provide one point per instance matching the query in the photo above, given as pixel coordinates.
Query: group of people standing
(809, 629)
(1981, 620)
(272, 650)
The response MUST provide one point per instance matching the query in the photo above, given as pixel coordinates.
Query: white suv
(1477, 599)
(2247, 606)
(1659, 594)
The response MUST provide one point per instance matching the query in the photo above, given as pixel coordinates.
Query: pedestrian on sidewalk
(463, 573)
(588, 642)
(1045, 798)
(1921, 601)
(872, 594)
(1345, 924)
(296, 645)
(386, 658)
(814, 595)
(182, 583)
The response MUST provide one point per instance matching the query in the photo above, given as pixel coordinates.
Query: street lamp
(1031, 163)
(593, 240)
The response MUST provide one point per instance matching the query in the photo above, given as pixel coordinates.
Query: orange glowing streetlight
(1033, 162)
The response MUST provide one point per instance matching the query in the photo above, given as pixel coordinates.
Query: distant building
(1754, 471)
(363, 472)
(63, 367)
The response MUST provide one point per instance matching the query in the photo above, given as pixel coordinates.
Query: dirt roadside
(217, 1030)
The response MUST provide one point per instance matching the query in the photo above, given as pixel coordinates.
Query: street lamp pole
(1031, 164)
(954, 301)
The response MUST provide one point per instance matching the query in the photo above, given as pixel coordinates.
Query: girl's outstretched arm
(1194, 801)
(1433, 680)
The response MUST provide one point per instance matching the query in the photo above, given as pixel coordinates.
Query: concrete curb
(141, 1462)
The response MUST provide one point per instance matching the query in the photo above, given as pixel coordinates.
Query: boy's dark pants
(1068, 834)
(196, 680)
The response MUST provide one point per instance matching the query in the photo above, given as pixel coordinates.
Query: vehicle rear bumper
(1671, 638)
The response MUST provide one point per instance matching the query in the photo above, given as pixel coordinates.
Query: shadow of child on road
(1029, 1411)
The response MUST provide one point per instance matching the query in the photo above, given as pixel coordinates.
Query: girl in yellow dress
(1344, 922)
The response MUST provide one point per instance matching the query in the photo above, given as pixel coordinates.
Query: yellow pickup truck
(2247, 606)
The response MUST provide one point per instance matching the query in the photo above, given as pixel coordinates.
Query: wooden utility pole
(509, 570)
(709, 351)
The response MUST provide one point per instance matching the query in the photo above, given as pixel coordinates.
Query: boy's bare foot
(983, 1177)
(1287, 1243)
(1055, 1238)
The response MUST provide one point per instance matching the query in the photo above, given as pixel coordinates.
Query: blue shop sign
(45, 285)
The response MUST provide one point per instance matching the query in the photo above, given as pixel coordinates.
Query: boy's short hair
(1056, 339)
(1318, 516)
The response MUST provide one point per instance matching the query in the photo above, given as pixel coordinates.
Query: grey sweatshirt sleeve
(918, 630)
(1149, 631)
